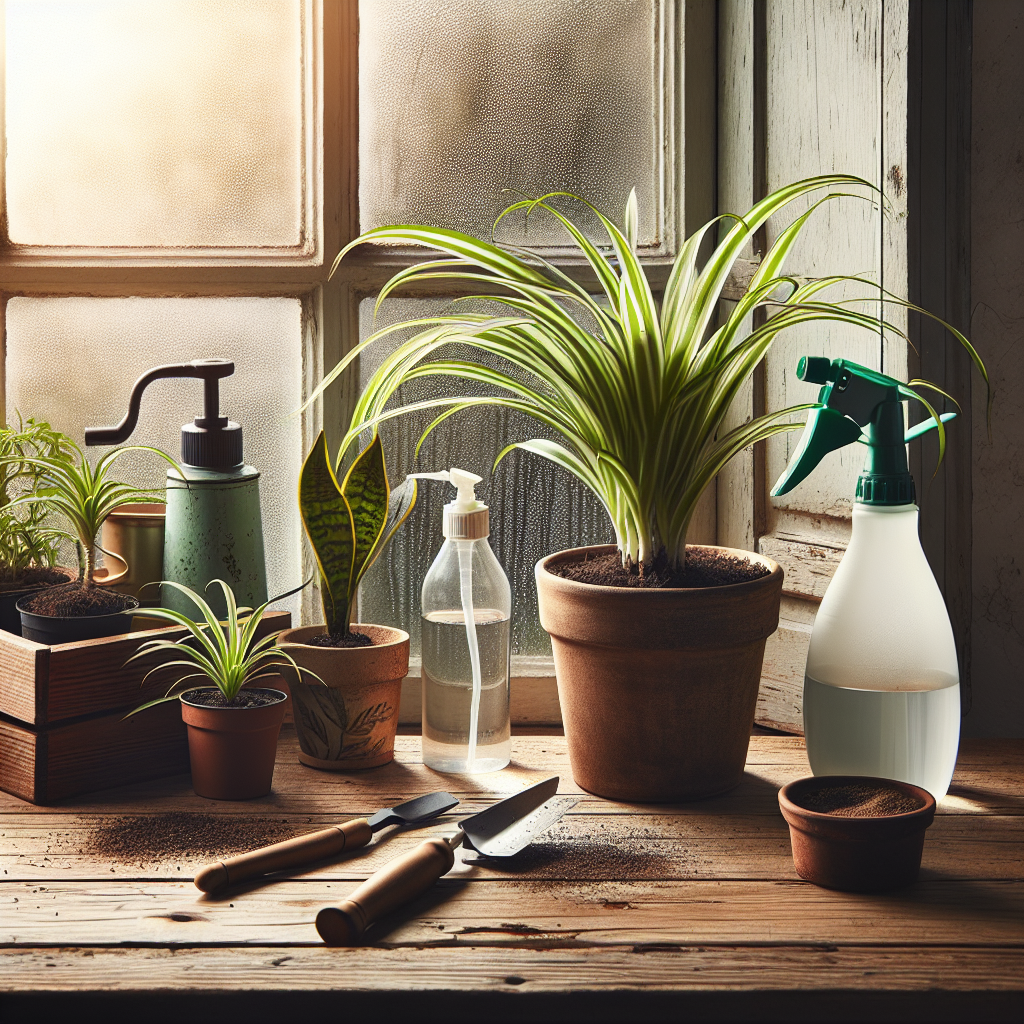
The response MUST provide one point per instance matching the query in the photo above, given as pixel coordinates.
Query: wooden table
(621, 912)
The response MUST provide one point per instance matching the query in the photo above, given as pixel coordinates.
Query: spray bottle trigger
(925, 425)
(826, 431)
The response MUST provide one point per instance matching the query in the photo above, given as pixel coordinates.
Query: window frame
(331, 304)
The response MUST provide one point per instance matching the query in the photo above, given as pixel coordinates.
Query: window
(180, 175)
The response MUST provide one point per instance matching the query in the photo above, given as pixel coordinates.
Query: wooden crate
(62, 725)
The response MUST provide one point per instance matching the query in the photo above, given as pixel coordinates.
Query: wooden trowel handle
(327, 842)
(397, 883)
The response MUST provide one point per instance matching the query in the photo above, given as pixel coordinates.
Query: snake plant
(636, 390)
(350, 524)
(84, 495)
(225, 654)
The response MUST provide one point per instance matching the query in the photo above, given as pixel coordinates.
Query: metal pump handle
(208, 370)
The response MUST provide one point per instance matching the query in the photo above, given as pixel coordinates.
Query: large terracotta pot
(658, 687)
(351, 721)
(232, 750)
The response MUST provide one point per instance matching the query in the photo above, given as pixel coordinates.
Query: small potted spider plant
(657, 644)
(84, 495)
(351, 722)
(29, 546)
(232, 725)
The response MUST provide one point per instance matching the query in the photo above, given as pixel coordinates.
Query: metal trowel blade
(512, 824)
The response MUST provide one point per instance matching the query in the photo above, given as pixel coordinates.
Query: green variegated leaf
(327, 519)
(637, 394)
(366, 490)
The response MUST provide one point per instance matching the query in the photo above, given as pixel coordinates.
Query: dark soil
(77, 601)
(859, 800)
(180, 833)
(37, 576)
(339, 640)
(243, 699)
(703, 569)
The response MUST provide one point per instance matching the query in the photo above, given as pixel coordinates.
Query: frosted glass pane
(176, 123)
(72, 361)
(536, 508)
(460, 99)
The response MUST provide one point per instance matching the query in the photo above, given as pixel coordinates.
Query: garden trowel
(502, 830)
(328, 842)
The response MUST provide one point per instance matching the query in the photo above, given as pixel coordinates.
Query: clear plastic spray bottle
(466, 611)
(881, 687)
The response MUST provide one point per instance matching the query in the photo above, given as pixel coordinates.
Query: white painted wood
(808, 567)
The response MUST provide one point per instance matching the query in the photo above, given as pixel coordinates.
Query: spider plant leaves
(327, 519)
(637, 396)
(226, 654)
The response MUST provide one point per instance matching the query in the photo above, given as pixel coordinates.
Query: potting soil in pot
(703, 569)
(36, 576)
(337, 640)
(75, 601)
(243, 699)
(859, 800)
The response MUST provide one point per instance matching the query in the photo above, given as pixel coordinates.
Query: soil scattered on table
(859, 801)
(130, 839)
(703, 569)
(339, 640)
(77, 601)
(243, 699)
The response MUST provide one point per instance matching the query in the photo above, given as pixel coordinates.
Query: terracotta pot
(232, 750)
(869, 854)
(657, 687)
(351, 721)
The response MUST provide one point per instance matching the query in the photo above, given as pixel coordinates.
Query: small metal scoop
(328, 842)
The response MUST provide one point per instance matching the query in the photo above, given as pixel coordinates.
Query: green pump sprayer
(881, 686)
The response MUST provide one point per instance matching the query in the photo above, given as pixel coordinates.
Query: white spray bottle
(466, 610)
(881, 687)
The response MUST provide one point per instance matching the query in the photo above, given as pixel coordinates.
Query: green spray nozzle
(857, 404)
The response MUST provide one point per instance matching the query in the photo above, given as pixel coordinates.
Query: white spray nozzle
(465, 483)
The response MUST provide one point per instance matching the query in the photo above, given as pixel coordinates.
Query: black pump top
(211, 441)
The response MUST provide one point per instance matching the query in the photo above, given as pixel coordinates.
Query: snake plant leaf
(327, 520)
(400, 504)
(366, 490)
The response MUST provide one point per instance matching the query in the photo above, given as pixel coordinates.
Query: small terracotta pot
(232, 750)
(657, 687)
(868, 854)
(350, 722)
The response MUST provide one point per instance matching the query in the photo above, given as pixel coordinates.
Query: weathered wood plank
(988, 780)
(749, 968)
(583, 846)
(808, 567)
(483, 912)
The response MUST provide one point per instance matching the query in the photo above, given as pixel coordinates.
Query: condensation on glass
(72, 362)
(460, 99)
(536, 508)
(177, 123)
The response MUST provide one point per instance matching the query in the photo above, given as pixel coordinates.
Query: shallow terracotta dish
(863, 852)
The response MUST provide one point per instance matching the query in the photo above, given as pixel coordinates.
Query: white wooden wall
(808, 87)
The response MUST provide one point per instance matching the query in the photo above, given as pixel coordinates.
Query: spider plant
(636, 390)
(65, 483)
(25, 539)
(226, 654)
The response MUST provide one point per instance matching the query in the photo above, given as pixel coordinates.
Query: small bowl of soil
(855, 833)
(60, 615)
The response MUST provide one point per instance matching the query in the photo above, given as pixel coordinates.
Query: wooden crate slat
(23, 677)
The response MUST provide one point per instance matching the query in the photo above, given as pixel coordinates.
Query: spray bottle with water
(466, 618)
(881, 687)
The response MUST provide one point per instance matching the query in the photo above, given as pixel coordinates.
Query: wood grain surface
(664, 911)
